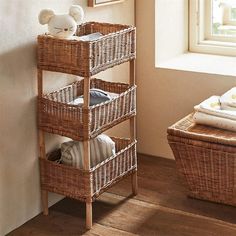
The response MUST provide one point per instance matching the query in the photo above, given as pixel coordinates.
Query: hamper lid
(186, 128)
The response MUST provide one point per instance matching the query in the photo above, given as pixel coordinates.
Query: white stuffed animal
(62, 26)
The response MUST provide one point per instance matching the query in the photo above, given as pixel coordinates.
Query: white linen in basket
(213, 107)
(101, 147)
(214, 121)
(228, 99)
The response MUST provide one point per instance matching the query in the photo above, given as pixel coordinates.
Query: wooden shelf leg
(134, 180)
(89, 215)
(44, 194)
(42, 152)
(86, 146)
(132, 124)
(134, 177)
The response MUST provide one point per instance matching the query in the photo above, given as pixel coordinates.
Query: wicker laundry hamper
(206, 159)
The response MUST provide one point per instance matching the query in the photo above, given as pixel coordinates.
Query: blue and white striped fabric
(101, 148)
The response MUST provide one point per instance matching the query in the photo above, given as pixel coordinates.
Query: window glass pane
(224, 17)
(233, 13)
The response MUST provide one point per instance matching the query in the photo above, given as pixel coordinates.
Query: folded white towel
(227, 107)
(229, 98)
(213, 107)
(214, 121)
(101, 147)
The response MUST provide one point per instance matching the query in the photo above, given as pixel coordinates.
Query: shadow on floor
(161, 208)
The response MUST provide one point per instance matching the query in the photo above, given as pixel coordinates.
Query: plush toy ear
(77, 13)
(45, 16)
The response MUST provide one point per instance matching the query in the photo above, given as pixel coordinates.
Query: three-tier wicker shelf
(56, 114)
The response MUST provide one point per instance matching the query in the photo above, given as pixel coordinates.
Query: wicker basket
(80, 184)
(206, 159)
(116, 46)
(56, 116)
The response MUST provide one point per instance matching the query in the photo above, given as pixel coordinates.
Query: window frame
(200, 38)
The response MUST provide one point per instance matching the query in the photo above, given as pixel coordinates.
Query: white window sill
(202, 63)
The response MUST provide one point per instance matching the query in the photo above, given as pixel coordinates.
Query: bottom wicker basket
(206, 159)
(82, 185)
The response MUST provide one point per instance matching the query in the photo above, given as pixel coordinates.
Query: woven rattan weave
(206, 160)
(76, 183)
(56, 116)
(86, 58)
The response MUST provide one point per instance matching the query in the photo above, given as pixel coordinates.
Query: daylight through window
(213, 26)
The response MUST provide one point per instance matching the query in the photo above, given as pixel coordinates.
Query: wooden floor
(161, 208)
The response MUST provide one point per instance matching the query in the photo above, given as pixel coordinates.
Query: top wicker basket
(87, 58)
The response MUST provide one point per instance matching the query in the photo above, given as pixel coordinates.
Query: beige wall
(19, 175)
(164, 96)
(171, 20)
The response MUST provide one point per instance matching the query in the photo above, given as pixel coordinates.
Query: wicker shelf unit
(82, 122)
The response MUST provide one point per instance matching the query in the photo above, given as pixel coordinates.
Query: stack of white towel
(218, 111)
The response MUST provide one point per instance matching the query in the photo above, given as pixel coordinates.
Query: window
(213, 26)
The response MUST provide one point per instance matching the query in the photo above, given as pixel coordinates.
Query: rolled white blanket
(228, 99)
(101, 148)
(212, 106)
(214, 121)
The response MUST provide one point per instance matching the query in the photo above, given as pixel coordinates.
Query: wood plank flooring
(160, 208)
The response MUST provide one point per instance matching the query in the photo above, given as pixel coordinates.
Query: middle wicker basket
(56, 115)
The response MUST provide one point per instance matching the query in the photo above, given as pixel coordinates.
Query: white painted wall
(166, 95)
(19, 171)
(171, 29)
